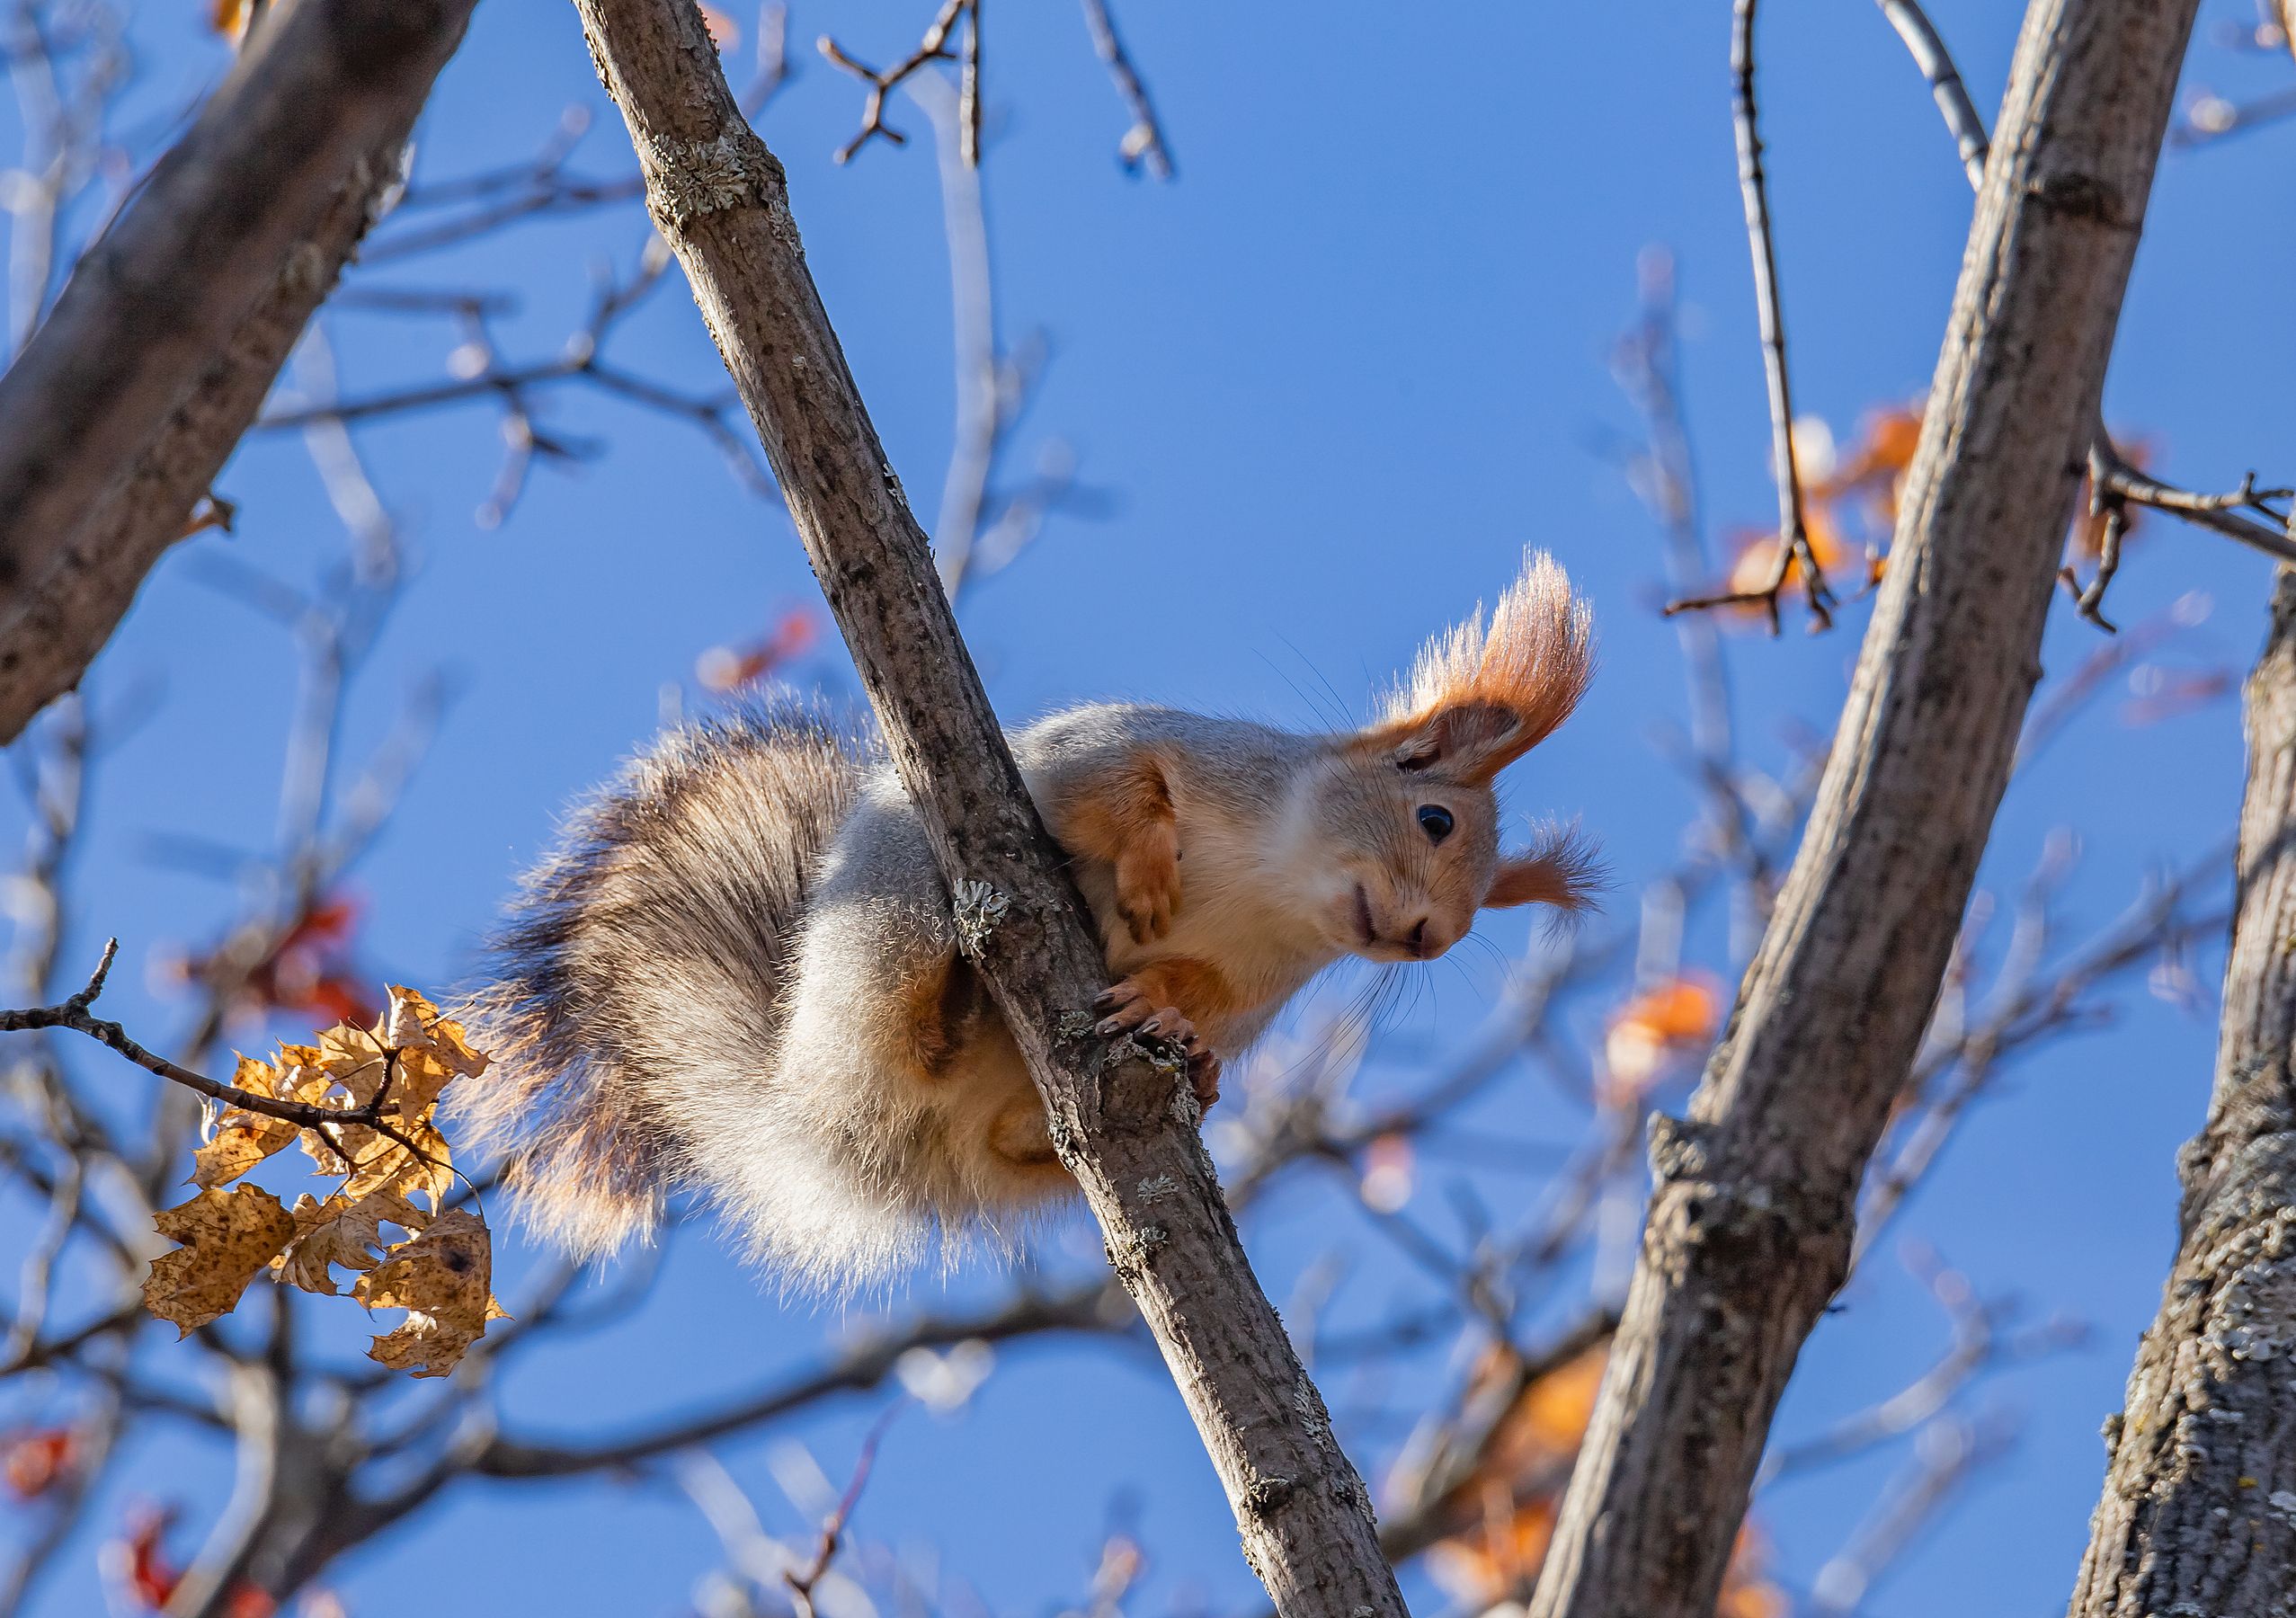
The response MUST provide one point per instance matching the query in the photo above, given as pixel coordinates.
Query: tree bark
(1124, 1126)
(2199, 1508)
(124, 405)
(1752, 1216)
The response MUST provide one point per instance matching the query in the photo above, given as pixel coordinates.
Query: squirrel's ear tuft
(1480, 698)
(1561, 869)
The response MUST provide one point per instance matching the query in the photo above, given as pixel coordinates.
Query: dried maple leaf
(227, 1237)
(355, 1060)
(444, 1280)
(384, 1083)
(341, 1231)
(420, 1161)
(1505, 1513)
(244, 1139)
(433, 1052)
(240, 1142)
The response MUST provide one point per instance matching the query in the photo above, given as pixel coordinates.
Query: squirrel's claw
(1115, 994)
(1130, 1011)
(1155, 1022)
(1204, 1076)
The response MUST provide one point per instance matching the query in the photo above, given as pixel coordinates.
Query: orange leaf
(1671, 1019)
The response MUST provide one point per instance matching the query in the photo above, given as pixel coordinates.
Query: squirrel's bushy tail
(651, 942)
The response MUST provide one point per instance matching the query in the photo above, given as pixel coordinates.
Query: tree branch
(2114, 482)
(74, 1014)
(1122, 1120)
(1795, 553)
(1143, 145)
(2195, 1508)
(1936, 64)
(1751, 1222)
(121, 410)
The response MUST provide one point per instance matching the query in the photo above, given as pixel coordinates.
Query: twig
(39, 1264)
(74, 1014)
(1143, 145)
(2105, 504)
(833, 1532)
(1936, 64)
(516, 389)
(2220, 512)
(932, 48)
(2025, 1008)
(1947, 1453)
(1978, 1341)
(1794, 549)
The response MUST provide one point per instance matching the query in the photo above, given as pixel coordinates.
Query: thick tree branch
(1751, 1224)
(1124, 1124)
(121, 410)
(2115, 481)
(2197, 1509)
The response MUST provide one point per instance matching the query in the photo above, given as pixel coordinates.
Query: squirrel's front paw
(1129, 1007)
(1147, 877)
(1130, 1010)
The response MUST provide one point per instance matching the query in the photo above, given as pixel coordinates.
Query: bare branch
(1143, 145)
(74, 1014)
(2112, 480)
(932, 48)
(1098, 1306)
(801, 1583)
(120, 412)
(1795, 553)
(1936, 64)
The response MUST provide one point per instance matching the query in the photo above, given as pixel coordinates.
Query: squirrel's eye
(1436, 820)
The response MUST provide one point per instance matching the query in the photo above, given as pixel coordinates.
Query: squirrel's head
(1403, 813)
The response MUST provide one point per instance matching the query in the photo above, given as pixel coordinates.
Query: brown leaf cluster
(395, 1171)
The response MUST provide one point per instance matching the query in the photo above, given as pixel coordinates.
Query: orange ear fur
(1480, 698)
(1561, 869)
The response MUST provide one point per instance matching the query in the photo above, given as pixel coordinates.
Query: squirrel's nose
(1415, 940)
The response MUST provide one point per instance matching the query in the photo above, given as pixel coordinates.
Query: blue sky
(1328, 384)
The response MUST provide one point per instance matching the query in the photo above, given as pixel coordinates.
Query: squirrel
(738, 972)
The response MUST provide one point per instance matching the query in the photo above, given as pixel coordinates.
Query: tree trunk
(1124, 1126)
(2199, 1510)
(1752, 1217)
(124, 405)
